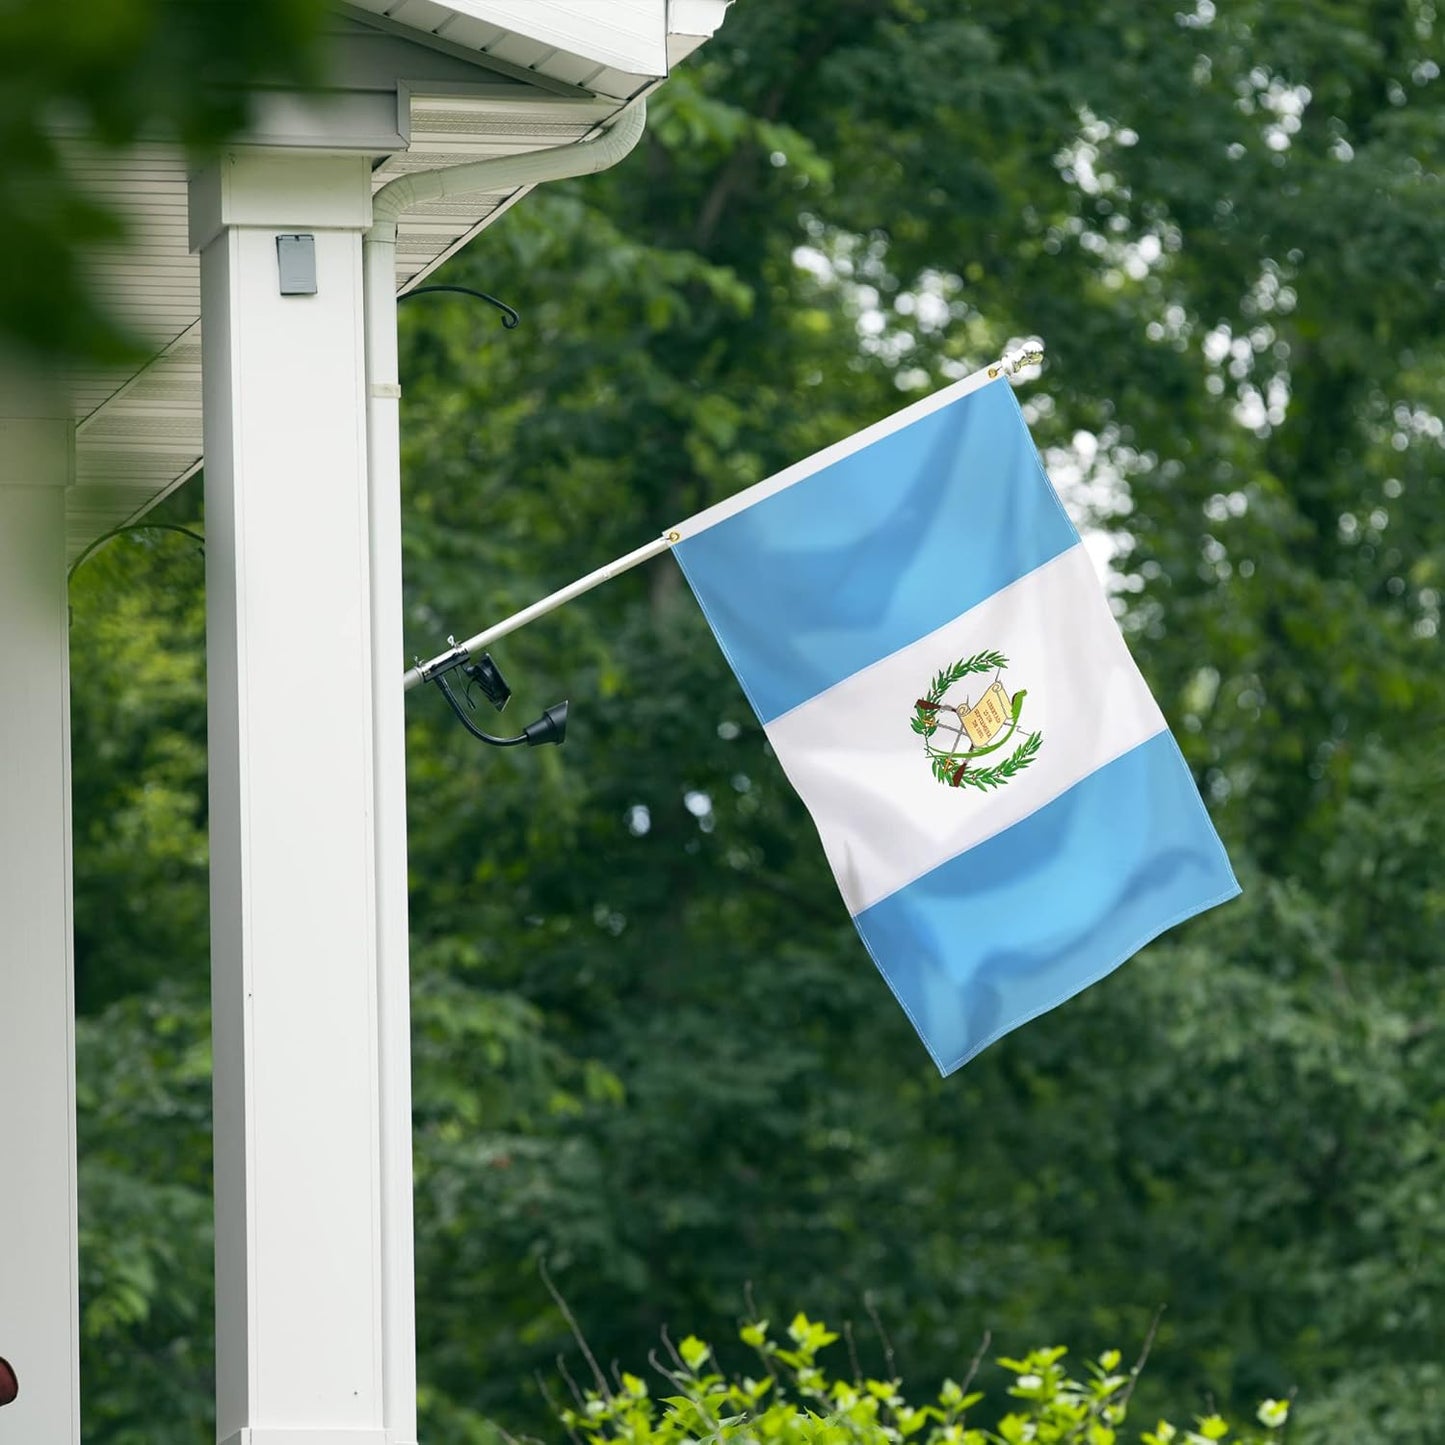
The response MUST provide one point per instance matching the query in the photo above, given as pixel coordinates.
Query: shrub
(793, 1400)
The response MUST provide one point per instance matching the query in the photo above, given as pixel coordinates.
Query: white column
(39, 1331)
(298, 893)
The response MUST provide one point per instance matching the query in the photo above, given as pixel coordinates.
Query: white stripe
(882, 817)
(750, 496)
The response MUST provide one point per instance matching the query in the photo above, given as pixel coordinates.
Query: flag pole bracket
(551, 727)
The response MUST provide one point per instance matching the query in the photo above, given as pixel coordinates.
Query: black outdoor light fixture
(485, 675)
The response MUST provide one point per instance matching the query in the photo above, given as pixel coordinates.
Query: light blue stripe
(868, 555)
(1003, 932)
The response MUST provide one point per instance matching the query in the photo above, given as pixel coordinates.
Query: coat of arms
(959, 731)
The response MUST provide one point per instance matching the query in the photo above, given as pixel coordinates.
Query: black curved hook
(470, 726)
(510, 318)
(551, 727)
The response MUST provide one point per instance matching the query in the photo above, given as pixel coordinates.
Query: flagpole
(1009, 364)
(459, 652)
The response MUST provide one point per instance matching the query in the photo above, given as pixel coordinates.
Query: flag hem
(799, 471)
(1173, 922)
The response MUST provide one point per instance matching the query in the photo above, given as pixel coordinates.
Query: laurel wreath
(947, 767)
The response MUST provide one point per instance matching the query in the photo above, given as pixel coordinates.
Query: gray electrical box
(296, 257)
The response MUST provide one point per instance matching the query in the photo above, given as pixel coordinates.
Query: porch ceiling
(473, 88)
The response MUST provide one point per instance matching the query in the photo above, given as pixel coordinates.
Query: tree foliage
(649, 1048)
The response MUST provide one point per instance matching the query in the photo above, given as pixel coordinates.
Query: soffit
(138, 433)
(418, 85)
(606, 47)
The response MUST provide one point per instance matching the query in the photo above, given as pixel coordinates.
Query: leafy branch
(925, 710)
(796, 1400)
(958, 775)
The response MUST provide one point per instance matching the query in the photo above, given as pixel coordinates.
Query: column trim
(279, 190)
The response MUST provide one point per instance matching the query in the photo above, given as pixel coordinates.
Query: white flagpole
(459, 652)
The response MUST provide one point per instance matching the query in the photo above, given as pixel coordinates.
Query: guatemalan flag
(922, 635)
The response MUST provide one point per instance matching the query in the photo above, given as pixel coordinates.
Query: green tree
(1221, 223)
(649, 1047)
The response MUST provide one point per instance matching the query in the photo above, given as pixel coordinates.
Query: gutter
(507, 173)
(383, 467)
